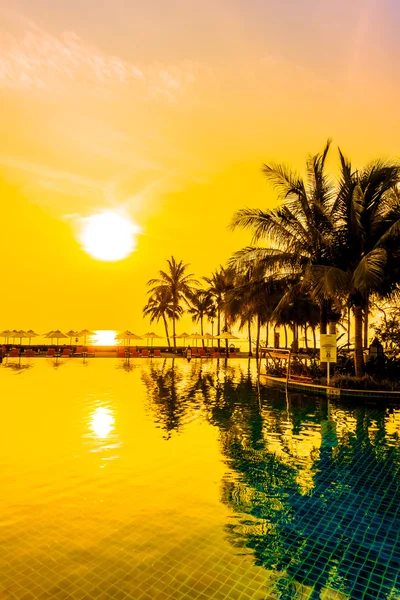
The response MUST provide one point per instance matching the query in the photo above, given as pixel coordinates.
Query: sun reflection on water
(102, 422)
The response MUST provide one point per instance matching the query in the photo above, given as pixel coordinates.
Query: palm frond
(370, 273)
(357, 207)
(272, 259)
(327, 281)
(263, 224)
(284, 180)
(345, 188)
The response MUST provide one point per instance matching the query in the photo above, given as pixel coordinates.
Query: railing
(276, 353)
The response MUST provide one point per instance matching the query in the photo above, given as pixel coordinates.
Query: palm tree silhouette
(337, 240)
(366, 217)
(160, 306)
(219, 285)
(201, 305)
(177, 285)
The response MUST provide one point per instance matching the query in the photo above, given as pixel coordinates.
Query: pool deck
(111, 352)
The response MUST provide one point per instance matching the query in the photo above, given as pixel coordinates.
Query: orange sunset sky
(163, 112)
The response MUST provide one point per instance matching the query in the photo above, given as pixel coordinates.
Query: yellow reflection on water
(102, 422)
(104, 337)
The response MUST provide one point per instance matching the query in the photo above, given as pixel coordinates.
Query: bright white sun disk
(108, 236)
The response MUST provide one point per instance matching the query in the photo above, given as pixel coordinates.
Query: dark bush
(383, 367)
(350, 382)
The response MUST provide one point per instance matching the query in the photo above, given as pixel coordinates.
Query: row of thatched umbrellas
(125, 336)
(128, 335)
(53, 335)
(207, 336)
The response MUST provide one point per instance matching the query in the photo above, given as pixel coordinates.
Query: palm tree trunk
(201, 329)
(323, 326)
(173, 327)
(285, 330)
(267, 334)
(295, 346)
(324, 317)
(219, 326)
(332, 331)
(366, 313)
(305, 336)
(166, 330)
(258, 337)
(314, 338)
(249, 333)
(348, 326)
(226, 341)
(358, 352)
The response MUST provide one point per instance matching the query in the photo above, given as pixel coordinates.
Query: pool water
(161, 479)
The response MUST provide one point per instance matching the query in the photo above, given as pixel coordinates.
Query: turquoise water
(164, 479)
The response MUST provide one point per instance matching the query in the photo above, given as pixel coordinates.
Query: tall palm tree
(159, 306)
(365, 242)
(239, 304)
(298, 232)
(254, 298)
(219, 284)
(337, 239)
(295, 309)
(178, 285)
(201, 305)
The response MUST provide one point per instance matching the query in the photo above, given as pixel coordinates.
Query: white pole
(328, 364)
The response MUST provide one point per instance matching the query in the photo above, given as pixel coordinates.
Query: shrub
(383, 367)
(350, 382)
(274, 370)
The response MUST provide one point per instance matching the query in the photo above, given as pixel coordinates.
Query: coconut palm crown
(160, 306)
(178, 285)
(201, 305)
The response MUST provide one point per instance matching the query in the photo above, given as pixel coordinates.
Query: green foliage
(315, 370)
(339, 240)
(384, 367)
(275, 370)
(388, 332)
(366, 382)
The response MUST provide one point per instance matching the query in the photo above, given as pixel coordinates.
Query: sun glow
(108, 236)
(104, 337)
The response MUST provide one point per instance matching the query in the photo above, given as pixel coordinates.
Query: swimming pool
(163, 479)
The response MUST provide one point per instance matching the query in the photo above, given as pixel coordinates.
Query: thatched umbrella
(85, 333)
(72, 334)
(151, 336)
(195, 336)
(6, 334)
(227, 336)
(31, 334)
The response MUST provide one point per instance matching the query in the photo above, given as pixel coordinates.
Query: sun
(108, 236)
(104, 337)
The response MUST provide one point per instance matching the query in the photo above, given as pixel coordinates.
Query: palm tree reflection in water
(317, 509)
(127, 365)
(172, 395)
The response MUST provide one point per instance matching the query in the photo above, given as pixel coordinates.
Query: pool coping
(332, 392)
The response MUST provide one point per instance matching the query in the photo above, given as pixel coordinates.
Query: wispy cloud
(39, 61)
(88, 192)
(48, 176)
